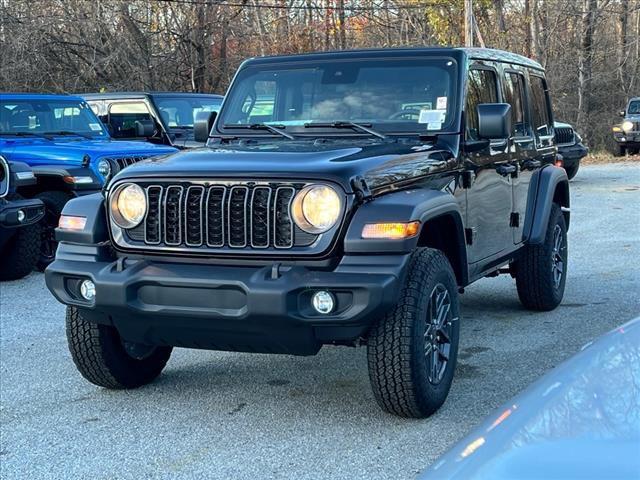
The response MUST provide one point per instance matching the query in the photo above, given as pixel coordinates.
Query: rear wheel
(21, 253)
(541, 270)
(54, 202)
(412, 351)
(572, 170)
(103, 358)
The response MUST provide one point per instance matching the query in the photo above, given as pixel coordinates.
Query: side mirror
(144, 128)
(494, 121)
(202, 126)
(622, 113)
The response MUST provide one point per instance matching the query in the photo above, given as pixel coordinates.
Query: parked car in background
(168, 117)
(70, 151)
(570, 146)
(345, 198)
(627, 133)
(19, 217)
(581, 420)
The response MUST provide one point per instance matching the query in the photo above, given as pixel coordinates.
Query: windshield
(180, 111)
(414, 95)
(634, 107)
(40, 117)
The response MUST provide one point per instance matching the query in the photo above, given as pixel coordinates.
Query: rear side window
(482, 87)
(514, 95)
(540, 107)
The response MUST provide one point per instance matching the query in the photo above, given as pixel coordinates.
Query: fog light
(21, 216)
(88, 290)
(323, 302)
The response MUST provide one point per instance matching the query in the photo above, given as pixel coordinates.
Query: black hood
(379, 163)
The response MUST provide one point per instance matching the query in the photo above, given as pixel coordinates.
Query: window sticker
(441, 104)
(434, 126)
(431, 116)
(95, 127)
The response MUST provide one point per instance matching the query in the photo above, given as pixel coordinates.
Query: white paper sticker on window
(434, 126)
(441, 104)
(431, 116)
(95, 127)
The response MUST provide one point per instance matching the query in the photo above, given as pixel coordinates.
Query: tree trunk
(585, 63)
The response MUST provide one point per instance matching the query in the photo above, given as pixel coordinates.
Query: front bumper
(20, 213)
(255, 309)
(573, 153)
(631, 139)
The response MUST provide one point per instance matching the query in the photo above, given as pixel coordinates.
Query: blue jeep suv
(69, 149)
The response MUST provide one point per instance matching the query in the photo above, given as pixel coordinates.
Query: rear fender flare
(548, 186)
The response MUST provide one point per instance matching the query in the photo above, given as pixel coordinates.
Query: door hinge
(468, 234)
(514, 221)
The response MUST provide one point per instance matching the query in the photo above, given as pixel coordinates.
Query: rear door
(489, 197)
(523, 150)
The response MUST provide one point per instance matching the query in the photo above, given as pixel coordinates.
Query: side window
(540, 107)
(123, 116)
(482, 87)
(514, 95)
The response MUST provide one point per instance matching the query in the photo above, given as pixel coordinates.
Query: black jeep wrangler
(627, 134)
(19, 229)
(343, 199)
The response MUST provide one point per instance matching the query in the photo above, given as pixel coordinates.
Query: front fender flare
(95, 230)
(401, 206)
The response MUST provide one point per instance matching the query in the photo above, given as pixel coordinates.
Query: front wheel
(541, 270)
(412, 351)
(54, 202)
(620, 151)
(572, 170)
(21, 253)
(106, 360)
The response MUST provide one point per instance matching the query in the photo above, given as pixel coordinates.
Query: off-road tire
(21, 253)
(534, 275)
(619, 151)
(572, 170)
(54, 202)
(397, 344)
(100, 356)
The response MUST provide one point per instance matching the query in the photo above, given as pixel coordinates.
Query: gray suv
(627, 134)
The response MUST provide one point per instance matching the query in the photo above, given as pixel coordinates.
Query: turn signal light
(393, 231)
(68, 222)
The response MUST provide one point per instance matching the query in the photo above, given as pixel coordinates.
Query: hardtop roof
(115, 95)
(38, 96)
(472, 53)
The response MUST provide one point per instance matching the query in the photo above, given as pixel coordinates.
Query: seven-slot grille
(128, 160)
(211, 216)
(565, 136)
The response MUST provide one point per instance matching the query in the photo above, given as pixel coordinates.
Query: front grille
(123, 162)
(208, 216)
(564, 136)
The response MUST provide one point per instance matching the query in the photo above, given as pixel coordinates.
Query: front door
(489, 193)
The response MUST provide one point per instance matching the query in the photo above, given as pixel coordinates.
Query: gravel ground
(241, 416)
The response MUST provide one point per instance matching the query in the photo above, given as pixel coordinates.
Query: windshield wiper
(66, 133)
(342, 124)
(24, 134)
(263, 126)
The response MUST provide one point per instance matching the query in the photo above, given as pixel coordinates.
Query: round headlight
(627, 126)
(104, 168)
(128, 205)
(316, 208)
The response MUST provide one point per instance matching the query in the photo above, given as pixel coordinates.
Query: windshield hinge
(361, 188)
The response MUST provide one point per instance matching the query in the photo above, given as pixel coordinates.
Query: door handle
(505, 170)
(531, 164)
